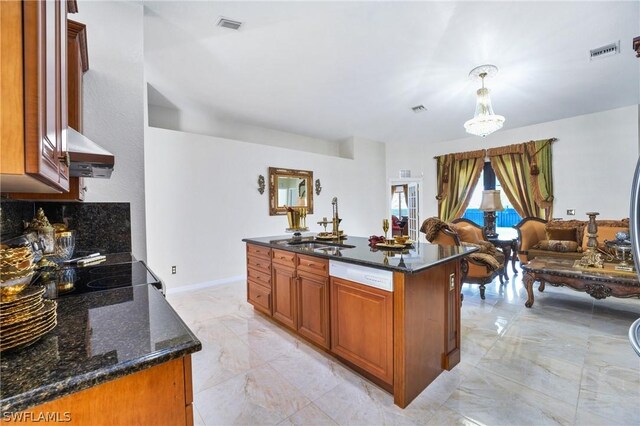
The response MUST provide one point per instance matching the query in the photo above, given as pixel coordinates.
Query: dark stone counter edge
(361, 262)
(84, 381)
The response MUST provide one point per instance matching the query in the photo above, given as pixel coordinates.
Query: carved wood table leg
(541, 287)
(528, 280)
(506, 250)
(482, 291)
(514, 256)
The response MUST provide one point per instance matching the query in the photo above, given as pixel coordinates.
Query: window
(504, 219)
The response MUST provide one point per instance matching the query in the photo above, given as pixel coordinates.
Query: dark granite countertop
(99, 337)
(413, 259)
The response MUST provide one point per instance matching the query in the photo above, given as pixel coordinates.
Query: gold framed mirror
(289, 188)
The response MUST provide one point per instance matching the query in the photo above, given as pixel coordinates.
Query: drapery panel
(524, 171)
(405, 190)
(457, 177)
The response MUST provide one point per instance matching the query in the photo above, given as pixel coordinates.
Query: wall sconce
(318, 187)
(261, 184)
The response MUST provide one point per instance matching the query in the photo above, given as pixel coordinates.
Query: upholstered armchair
(484, 265)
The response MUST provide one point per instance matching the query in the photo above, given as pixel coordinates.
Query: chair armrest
(531, 231)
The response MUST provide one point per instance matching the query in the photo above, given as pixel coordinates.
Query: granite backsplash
(100, 227)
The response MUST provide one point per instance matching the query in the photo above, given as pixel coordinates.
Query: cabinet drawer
(260, 251)
(315, 265)
(282, 257)
(262, 278)
(259, 263)
(259, 297)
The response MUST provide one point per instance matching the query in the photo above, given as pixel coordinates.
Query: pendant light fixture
(484, 121)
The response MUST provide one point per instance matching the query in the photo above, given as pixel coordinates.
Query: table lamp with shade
(490, 205)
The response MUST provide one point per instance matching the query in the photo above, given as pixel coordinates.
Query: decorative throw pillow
(562, 234)
(560, 246)
(469, 234)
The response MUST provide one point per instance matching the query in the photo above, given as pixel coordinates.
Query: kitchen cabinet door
(34, 86)
(313, 307)
(284, 295)
(362, 327)
(45, 91)
(77, 64)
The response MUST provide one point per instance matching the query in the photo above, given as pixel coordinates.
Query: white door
(413, 203)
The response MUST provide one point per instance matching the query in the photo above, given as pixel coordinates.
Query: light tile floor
(565, 361)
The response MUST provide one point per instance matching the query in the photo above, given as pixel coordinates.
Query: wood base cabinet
(285, 307)
(259, 278)
(313, 307)
(401, 340)
(362, 327)
(160, 395)
(293, 289)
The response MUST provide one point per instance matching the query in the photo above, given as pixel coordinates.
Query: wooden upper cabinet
(34, 76)
(77, 65)
(45, 86)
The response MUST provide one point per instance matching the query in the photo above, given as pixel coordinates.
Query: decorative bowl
(16, 265)
(401, 239)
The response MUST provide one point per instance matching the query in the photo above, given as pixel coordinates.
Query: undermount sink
(317, 244)
(307, 244)
(332, 250)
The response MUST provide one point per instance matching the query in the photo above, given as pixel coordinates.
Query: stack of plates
(25, 317)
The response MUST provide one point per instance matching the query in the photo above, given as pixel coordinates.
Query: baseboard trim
(206, 284)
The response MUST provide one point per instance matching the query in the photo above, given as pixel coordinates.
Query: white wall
(113, 104)
(202, 199)
(206, 123)
(593, 160)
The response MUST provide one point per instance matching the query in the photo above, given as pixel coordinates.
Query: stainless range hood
(88, 159)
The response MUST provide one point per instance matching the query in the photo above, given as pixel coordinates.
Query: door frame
(405, 181)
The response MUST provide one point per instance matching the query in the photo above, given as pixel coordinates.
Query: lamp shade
(491, 201)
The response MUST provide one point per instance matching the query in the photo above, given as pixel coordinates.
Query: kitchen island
(120, 356)
(391, 315)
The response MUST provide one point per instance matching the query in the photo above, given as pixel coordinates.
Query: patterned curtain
(524, 171)
(457, 177)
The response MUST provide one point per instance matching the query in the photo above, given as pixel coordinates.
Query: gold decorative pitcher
(294, 218)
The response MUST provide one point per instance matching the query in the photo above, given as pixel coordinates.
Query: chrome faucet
(336, 218)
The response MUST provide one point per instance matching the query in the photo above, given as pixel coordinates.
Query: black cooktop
(72, 279)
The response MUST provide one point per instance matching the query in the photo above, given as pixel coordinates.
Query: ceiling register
(484, 121)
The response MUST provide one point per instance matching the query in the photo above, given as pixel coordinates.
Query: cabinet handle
(85, 189)
(65, 158)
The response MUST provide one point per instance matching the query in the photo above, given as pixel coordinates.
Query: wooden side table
(509, 247)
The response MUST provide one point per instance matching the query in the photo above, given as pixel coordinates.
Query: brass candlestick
(591, 258)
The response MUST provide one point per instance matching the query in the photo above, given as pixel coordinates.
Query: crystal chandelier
(484, 121)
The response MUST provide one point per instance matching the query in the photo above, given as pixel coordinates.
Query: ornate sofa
(561, 238)
(482, 266)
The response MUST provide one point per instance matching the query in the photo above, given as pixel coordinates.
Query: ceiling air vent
(604, 51)
(229, 23)
(418, 108)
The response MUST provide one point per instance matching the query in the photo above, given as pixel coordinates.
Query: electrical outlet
(173, 270)
(452, 282)
(571, 212)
